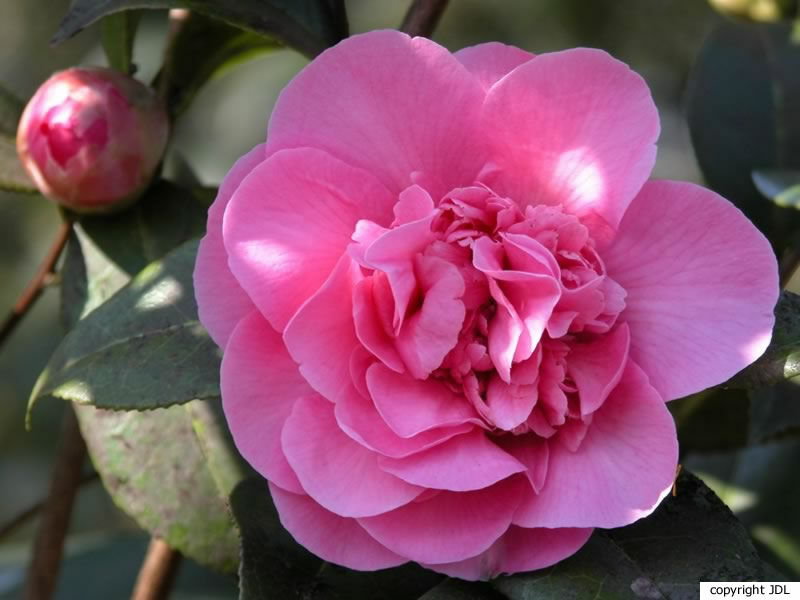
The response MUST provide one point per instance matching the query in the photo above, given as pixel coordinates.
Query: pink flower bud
(91, 138)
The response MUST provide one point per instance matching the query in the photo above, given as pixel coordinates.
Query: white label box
(740, 590)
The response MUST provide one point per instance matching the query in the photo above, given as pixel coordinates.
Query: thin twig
(26, 515)
(176, 20)
(422, 17)
(158, 571)
(37, 284)
(49, 543)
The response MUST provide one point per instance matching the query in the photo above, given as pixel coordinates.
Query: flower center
(503, 305)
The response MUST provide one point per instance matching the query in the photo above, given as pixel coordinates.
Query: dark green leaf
(164, 218)
(11, 109)
(142, 349)
(13, 177)
(690, 538)
(273, 565)
(455, 589)
(782, 186)
(118, 33)
(188, 446)
(761, 486)
(156, 471)
(88, 278)
(757, 10)
(775, 411)
(782, 358)
(714, 419)
(743, 94)
(309, 26)
(202, 49)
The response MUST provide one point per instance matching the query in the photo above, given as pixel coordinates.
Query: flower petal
(701, 281)
(289, 222)
(519, 549)
(337, 472)
(410, 406)
(533, 452)
(622, 469)
(260, 383)
(576, 128)
(221, 301)
(509, 404)
(359, 419)
(432, 331)
(333, 538)
(390, 104)
(324, 322)
(491, 61)
(450, 526)
(525, 299)
(465, 462)
(596, 366)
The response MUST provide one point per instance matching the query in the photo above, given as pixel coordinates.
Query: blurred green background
(658, 39)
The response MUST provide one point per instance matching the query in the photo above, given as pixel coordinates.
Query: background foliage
(727, 89)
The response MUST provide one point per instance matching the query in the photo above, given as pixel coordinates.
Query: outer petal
(333, 538)
(491, 61)
(576, 128)
(289, 222)
(622, 469)
(450, 526)
(519, 549)
(390, 104)
(260, 384)
(337, 472)
(466, 462)
(221, 302)
(702, 282)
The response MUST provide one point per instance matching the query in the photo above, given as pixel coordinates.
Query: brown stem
(36, 285)
(422, 17)
(176, 20)
(49, 543)
(158, 571)
(26, 515)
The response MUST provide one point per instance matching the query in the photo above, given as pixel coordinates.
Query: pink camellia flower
(91, 138)
(452, 305)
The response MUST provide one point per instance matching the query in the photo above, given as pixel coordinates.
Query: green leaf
(273, 565)
(775, 411)
(142, 349)
(156, 470)
(743, 91)
(88, 278)
(309, 26)
(136, 452)
(117, 34)
(761, 486)
(11, 109)
(714, 419)
(13, 177)
(455, 589)
(164, 218)
(782, 186)
(781, 360)
(757, 10)
(203, 49)
(689, 538)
